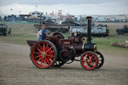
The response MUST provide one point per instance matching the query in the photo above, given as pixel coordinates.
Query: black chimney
(89, 19)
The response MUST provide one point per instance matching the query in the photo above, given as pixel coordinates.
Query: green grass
(22, 32)
(105, 43)
(18, 38)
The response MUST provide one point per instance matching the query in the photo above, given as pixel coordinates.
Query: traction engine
(56, 50)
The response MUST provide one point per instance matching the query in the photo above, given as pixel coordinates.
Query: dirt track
(16, 68)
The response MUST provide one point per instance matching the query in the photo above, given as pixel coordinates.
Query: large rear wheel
(44, 54)
(89, 60)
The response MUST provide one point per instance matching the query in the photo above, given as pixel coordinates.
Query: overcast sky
(76, 7)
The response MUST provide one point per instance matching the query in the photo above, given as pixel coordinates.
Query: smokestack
(89, 18)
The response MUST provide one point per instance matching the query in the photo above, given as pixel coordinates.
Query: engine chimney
(89, 19)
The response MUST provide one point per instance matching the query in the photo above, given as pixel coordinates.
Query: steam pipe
(89, 18)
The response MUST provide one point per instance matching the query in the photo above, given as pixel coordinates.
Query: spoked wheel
(58, 64)
(44, 54)
(89, 60)
(101, 60)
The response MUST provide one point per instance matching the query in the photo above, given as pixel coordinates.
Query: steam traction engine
(55, 51)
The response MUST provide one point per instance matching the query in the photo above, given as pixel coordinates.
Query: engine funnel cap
(89, 17)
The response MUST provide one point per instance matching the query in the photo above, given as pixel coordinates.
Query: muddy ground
(16, 68)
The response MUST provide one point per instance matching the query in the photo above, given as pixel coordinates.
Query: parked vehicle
(97, 30)
(3, 29)
(122, 30)
(54, 27)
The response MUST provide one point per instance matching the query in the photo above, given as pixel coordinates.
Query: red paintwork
(89, 61)
(46, 60)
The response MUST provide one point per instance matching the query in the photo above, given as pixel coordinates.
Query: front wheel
(101, 60)
(89, 60)
(44, 54)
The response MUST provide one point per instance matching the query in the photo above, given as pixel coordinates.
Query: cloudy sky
(76, 7)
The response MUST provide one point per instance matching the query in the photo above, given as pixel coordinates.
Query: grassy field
(25, 31)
